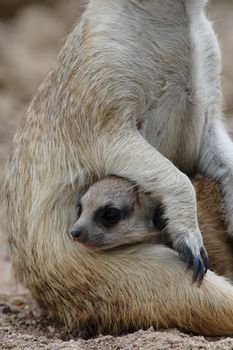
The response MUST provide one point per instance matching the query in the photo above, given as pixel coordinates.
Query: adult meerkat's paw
(193, 252)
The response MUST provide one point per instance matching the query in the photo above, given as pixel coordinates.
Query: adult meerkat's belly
(150, 58)
(176, 122)
(178, 139)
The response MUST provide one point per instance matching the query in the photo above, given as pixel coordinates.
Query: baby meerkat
(115, 212)
(111, 213)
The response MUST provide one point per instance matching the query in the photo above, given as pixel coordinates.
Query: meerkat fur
(134, 93)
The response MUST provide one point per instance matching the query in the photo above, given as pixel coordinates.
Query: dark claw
(188, 257)
(204, 257)
(199, 264)
(198, 271)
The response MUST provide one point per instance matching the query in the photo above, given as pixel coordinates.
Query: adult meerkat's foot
(139, 162)
(189, 244)
(216, 162)
(195, 256)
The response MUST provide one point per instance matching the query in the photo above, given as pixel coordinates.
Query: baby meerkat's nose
(77, 232)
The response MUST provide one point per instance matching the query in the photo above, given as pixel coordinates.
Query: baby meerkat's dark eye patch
(79, 209)
(110, 215)
(107, 216)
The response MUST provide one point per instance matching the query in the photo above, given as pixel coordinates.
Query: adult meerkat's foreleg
(216, 162)
(138, 161)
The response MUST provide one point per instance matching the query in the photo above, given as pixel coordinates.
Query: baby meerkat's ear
(139, 194)
(155, 210)
(159, 219)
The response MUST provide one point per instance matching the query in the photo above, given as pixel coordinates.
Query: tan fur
(123, 65)
(213, 227)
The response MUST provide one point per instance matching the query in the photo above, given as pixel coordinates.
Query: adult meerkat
(152, 65)
(128, 65)
(113, 212)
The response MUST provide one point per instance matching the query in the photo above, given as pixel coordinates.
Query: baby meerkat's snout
(81, 234)
(78, 233)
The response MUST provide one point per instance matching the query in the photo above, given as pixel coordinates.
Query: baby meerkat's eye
(79, 209)
(109, 216)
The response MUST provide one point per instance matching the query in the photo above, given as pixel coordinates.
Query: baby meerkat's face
(112, 213)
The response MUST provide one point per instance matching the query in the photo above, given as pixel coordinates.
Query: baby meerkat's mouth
(92, 245)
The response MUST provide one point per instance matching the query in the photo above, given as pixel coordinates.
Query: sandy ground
(30, 38)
